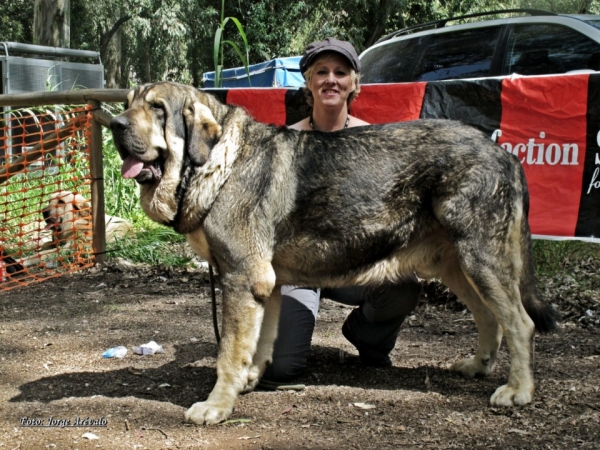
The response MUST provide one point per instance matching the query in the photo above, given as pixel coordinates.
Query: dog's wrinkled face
(162, 127)
(139, 136)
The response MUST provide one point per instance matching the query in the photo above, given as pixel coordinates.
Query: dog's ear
(202, 131)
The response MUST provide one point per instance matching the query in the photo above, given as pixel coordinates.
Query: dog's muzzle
(142, 171)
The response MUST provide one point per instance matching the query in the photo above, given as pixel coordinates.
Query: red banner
(544, 126)
(265, 105)
(385, 103)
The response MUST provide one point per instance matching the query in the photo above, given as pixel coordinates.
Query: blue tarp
(279, 72)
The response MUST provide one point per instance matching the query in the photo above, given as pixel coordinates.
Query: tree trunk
(584, 6)
(379, 17)
(112, 62)
(111, 53)
(146, 75)
(52, 23)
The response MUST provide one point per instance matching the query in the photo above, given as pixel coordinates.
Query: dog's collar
(312, 125)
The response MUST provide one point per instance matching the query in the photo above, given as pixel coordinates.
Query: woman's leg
(374, 326)
(299, 307)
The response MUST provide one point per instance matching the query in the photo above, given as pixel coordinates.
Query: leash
(214, 303)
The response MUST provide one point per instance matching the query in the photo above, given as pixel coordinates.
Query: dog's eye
(158, 107)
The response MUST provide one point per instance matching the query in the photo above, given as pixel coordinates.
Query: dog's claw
(250, 386)
(509, 396)
(207, 413)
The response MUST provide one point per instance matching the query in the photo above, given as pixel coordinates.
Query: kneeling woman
(331, 69)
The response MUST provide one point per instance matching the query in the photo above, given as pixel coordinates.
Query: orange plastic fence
(45, 207)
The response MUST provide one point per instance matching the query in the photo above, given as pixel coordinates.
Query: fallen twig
(156, 429)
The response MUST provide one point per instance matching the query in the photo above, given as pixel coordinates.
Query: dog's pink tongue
(131, 167)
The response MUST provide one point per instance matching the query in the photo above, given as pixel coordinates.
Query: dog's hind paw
(509, 396)
(472, 367)
(207, 413)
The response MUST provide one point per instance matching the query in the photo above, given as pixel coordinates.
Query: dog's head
(165, 125)
(65, 211)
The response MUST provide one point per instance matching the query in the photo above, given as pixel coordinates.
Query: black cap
(330, 44)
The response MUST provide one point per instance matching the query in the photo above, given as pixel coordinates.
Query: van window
(459, 54)
(391, 62)
(541, 49)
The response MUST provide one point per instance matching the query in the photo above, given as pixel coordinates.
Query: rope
(214, 303)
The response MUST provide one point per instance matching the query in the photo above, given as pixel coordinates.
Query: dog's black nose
(119, 123)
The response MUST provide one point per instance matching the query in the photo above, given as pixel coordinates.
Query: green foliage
(16, 21)
(151, 40)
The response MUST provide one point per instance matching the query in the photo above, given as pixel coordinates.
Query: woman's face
(331, 82)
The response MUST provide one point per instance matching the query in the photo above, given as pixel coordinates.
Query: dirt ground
(52, 336)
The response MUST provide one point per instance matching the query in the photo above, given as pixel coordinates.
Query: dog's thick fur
(69, 220)
(270, 206)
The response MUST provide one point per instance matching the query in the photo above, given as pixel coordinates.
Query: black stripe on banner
(296, 107)
(221, 94)
(588, 221)
(477, 103)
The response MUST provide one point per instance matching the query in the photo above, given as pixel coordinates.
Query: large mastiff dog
(269, 206)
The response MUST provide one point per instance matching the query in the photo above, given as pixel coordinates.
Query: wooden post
(97, 173)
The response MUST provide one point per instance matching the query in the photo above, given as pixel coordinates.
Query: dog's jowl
(431, 197)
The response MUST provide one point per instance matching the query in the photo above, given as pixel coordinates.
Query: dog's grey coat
(271, 206)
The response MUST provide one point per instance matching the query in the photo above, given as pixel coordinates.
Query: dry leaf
(364, 405)
(514, 430)
(227, 422)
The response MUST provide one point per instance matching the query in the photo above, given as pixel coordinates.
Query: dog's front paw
(472, 367)
(509, 396)
(207, 413)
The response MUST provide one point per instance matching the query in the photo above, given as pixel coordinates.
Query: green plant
(219, 46)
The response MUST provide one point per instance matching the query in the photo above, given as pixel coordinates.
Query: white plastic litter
(148, 349)
(115, 352)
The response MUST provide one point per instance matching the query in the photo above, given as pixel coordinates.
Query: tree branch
(106, 37)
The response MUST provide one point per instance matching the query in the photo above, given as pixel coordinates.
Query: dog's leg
(243, 311)
(489, 331)
(519, 330)
(500, 293)
(264, 352)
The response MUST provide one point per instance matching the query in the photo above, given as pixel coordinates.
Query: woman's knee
(391, 301)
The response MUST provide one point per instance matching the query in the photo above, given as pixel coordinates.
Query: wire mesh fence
(45, 208)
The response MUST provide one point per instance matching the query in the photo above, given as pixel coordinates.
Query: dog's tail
(544, 316)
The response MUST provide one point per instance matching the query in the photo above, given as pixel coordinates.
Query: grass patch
(554, 257)
(153, 245)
